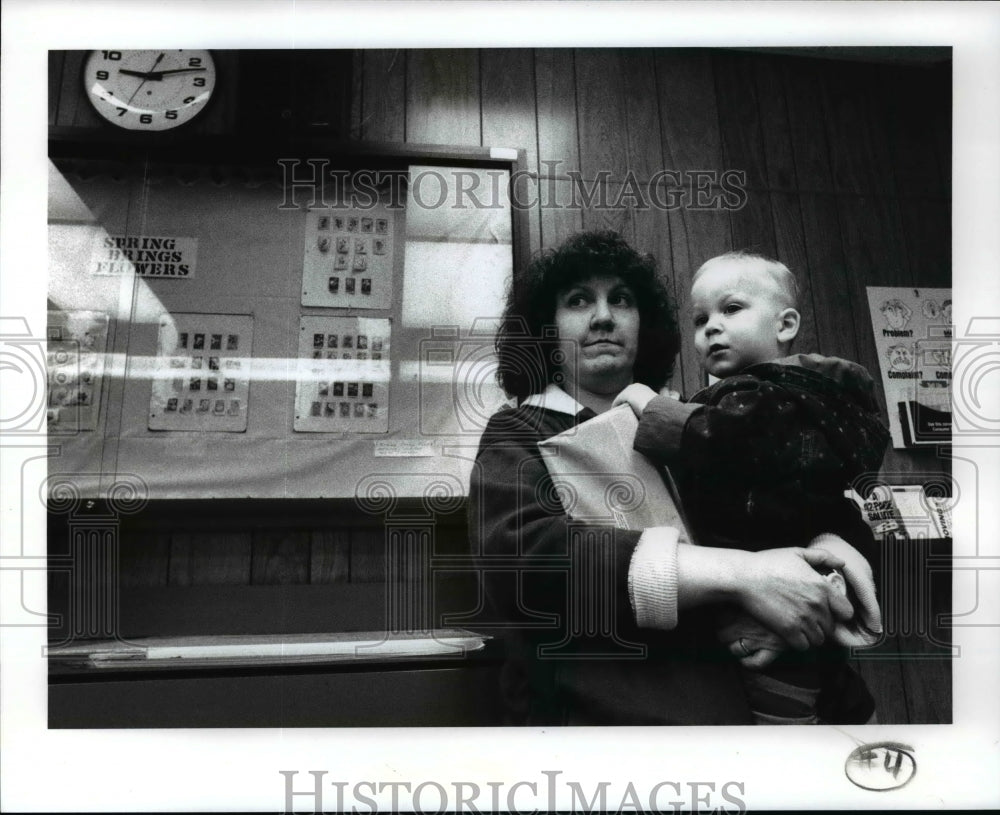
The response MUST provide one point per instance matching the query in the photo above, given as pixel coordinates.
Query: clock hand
(157, 76)
(148, 76)
(178, 71)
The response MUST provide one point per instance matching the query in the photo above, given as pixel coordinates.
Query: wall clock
(149, 90)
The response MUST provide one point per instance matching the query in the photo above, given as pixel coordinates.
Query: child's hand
(747, 639)
(636, 396)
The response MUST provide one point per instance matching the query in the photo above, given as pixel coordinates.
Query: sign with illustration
(913, 334)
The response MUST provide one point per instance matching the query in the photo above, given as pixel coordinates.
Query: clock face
(149, 90)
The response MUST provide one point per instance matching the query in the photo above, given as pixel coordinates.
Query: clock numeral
(199, 82)
(171, 114)
(189, 100)
(194, 62)
(112, 55)
(146, 118)
(102, 74)
(122, 111)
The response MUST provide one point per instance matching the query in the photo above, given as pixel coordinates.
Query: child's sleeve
(661, 427)
(743, 410)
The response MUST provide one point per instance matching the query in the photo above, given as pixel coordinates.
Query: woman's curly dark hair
(527, 341)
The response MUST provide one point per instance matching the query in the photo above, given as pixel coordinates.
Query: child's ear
(788, 325)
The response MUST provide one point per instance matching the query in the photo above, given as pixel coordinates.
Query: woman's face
(598, 324)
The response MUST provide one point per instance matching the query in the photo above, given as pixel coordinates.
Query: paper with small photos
(75, 352)
(202, 377)
(348, 258)
(343, 377)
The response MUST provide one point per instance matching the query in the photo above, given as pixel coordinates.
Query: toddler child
(761, 460)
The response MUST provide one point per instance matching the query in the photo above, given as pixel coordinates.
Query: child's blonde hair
(779, 273)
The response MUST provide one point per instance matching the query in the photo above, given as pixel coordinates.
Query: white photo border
(239, 769)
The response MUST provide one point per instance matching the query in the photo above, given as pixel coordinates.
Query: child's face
(737, 317)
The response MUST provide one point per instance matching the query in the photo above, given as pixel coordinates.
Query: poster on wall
(202, 377)
(348, 258)
(343, 376)
(913, 331)
(161, 256)
(75, 356)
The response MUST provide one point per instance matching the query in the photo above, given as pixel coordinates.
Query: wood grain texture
(772, 109)
(279, 557)
(858, 152)
(56, 62)
(807, 126)
(651, 234)
(600, 100)
(642, 110)
(836, 311)
(691, 141)
(753, 225)
(743, 150)
(874, 256)
(74, 109)
(689, 119)
(606, 206)
(927, 678)
(442, 97)
(526, 193)
(938, 87)
(927, 230)
(884, 677)
(739, 117)
(560, 216)
(357, 93)
(786, 215)
(210, 559)
(790, 249)
(221, 114)
(908, 113)
(144, 560)
(920, 594)
(383, 95)
(508, 101)
(509, 120)
(330, 556)
(555, 90)
(695, 236)
(368, 555)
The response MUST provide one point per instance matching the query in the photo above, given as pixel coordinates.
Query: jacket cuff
(661, 426)
(652, 579)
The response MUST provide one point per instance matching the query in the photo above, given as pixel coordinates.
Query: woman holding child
(606, 625)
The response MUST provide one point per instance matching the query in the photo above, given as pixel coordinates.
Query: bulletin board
(202, 373)
(348, 258)
(344, 375)
(222, 387)
(75, 358)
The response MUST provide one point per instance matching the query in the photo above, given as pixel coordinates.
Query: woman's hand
(785, 592)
